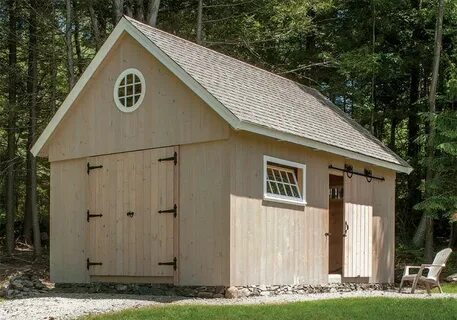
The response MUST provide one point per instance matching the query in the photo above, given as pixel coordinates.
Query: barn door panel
(132, 237)
(358, 213)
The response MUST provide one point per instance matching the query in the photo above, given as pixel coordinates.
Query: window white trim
(279, 198)
(121, 77)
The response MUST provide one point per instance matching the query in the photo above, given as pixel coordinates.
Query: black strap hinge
(89, 264)
(89, 215)
(89, 167)
(174, 211)
(174, 158)
(173, 263)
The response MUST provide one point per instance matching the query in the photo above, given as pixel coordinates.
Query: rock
(205, 295)
(245, 292)
(231, 293)
(218, 296)
(452, 278)
(265, 293)
(27, 283)
(17, 284)
(262, 287)
(333, 290)
(121, 287)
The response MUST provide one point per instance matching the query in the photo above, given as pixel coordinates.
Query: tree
(11, 126)
(153, 12)
(432, 128)
(32, 87)
(68, 40)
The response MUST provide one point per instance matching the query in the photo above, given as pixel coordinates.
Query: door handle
(130, 214)
(327, 234)
(346, 228)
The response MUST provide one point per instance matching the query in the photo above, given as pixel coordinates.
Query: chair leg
(401, 286)
(427, 286)
(439, 287)
(413, 288)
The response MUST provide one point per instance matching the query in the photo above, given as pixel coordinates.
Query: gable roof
(248, 98)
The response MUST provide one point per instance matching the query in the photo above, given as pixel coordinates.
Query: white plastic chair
(432, 278)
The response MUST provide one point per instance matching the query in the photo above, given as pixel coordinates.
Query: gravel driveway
(71, 306)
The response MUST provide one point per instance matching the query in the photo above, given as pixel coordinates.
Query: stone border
(208, 292)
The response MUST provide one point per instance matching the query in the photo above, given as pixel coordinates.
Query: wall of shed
(272, 243)
(68, 224)
(171, 114)
(204, 215)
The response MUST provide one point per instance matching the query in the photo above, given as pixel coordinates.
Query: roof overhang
(125, 26)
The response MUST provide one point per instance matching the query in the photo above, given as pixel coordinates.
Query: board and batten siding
(383, 227)
(274, 243)
(68, 224)
(204, 214)
(170, 114)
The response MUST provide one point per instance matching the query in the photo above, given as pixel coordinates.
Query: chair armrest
(407, 268)
(426, 265)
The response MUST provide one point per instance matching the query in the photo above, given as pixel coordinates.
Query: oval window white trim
(117, 99)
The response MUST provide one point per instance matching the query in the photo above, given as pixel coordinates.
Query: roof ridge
(217, 52)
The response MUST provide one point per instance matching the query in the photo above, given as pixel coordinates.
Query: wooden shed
(172, 163)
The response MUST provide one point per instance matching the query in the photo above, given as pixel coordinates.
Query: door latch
(346, 228)
(174, 211)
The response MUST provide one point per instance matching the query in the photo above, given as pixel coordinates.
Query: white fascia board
(283, 136)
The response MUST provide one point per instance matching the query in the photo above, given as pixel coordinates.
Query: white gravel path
(71, 306)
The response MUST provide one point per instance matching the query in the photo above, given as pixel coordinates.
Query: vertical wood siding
(358, 213)
(204, 193)
(384, 228)
(273, 243)
(170, 114)
(68, 225)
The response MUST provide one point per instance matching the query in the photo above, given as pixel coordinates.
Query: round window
(129, 90)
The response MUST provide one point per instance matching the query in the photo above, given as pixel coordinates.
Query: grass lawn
(340, 309)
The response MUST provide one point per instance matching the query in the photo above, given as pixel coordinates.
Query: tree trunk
(75, 15)
(393, 131)
(32, 85)
(94, 22)
(129, 8)
(118, 10)
(414, 178)
(200, 21)
(431, 135)
(139, 10)
(68, 40)
(153, 12)
(53, 65)
(453, 235)
(11, 127)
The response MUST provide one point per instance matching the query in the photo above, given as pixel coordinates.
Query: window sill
(286, 201)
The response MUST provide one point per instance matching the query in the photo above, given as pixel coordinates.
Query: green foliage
(326, 44)
(443, 187)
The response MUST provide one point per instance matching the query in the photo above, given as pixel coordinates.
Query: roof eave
(284, 136)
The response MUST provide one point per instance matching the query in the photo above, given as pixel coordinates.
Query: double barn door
(128, 235)
(358, 227)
